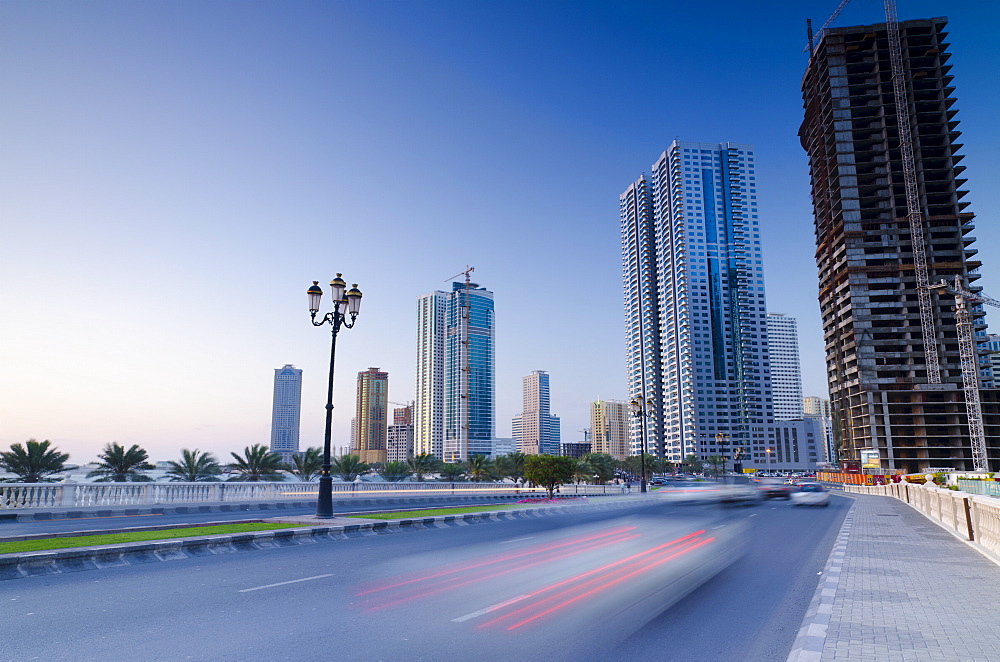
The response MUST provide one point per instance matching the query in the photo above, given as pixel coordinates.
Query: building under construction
(889, 221)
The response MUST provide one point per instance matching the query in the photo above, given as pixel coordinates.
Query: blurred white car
(811, 494)
(693, 492)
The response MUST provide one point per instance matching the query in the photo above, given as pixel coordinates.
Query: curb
(809, 643)
(35, 564)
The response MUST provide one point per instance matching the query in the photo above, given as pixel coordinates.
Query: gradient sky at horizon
(175, 174)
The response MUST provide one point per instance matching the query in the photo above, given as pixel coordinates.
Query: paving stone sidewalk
(899, 587)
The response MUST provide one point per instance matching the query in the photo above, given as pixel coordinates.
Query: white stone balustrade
(69, 494)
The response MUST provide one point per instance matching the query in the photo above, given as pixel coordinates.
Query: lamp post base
(324, 501)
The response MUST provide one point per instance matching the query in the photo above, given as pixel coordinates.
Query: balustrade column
(67, 496)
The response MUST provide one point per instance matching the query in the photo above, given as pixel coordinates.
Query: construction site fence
(858, 479)
(973, 517)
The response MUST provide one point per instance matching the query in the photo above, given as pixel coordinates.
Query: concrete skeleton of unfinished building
(880, 134)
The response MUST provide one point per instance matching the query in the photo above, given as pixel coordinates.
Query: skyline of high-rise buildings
(786, 371)
(456, 373)
(887, 189)
(286, 410)
(535, 429)
(696, 333)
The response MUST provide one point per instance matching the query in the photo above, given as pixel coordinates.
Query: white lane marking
(499, 605)
(516, 540)
(291, 581)
(754, 515)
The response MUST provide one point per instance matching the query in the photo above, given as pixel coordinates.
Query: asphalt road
(291, 602)
(15, 528)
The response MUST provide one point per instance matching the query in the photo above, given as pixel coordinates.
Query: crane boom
(913, 213)
(970, 365)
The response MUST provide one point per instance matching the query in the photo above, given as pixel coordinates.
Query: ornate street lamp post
(639, 409)
(346, 305)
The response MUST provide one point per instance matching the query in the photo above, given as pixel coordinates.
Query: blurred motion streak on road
(616, 578)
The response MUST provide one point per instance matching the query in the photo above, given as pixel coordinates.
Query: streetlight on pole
(639, 409)
(346, 304)
(768, 451)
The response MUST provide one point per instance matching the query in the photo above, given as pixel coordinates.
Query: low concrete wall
(975, 518)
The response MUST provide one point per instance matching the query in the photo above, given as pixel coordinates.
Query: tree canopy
(549, 471)
(194, 467)
(33, 462)
(116, 464)
(348, 467)
(306, 465)
(395, 471)
(257, 464)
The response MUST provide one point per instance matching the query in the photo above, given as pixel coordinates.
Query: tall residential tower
(285, 411)
(536, 430)
(786, 371)
(696, 335)
(454, 416)
(370, 422)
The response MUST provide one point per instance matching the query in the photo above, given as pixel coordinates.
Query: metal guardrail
(53, 495)
(975, 518)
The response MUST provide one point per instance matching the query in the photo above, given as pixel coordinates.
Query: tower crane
(970, 363)
(463, 362)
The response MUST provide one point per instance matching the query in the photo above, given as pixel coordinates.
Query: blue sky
(176, 173)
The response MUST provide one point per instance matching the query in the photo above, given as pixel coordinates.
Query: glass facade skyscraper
(455, 390)
(286, 410)
(696, 332)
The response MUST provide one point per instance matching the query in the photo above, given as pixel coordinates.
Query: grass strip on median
(136, 536)
(437, 512)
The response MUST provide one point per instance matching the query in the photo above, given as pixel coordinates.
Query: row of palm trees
(38, 462)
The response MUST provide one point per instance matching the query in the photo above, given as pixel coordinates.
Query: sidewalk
(900, 587)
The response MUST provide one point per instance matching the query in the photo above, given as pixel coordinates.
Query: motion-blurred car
(693, 492)
(742, 493)
(811, 494)
(774, 488)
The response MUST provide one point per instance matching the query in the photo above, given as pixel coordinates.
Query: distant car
(774, 489)
(811, 494)
(740, 493)
(693, 492)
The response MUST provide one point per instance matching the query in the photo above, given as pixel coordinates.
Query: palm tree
(118, 465)
(604, 466)
(510, 465)
(718, 463)
(348, 467)
(692, 463)
(479, 468)
(33, 462)
(424, 463)
(395, 471)
(194, 467)
(451, 472)
(306, 465)
(583, 471)
(257, 464)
